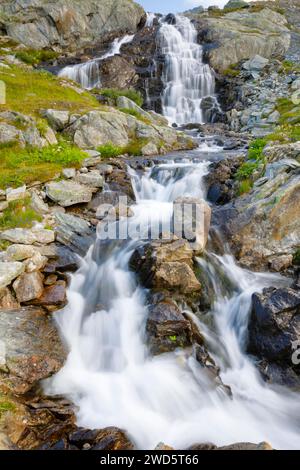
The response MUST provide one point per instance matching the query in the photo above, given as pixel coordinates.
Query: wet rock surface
(274, 331)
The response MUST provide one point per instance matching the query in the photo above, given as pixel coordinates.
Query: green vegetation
(6, 406)
(288, 66)
(296, 258)
(231, 71)
(110, 150)
(255, 160)
(29, 91)
(173, 338)
(256, 149)
(289, 111)
(136, 114)
(4, 244)
(114, 94)
(19, 166)
(134, 148)
(19, 214)
(34, 57)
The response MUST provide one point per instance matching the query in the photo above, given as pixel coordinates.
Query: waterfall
(87, 74)
(150, 20)
(109, 373)
(187, 80)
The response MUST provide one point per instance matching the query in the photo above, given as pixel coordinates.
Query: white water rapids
(109, 373)
(187, 80)
(87, 74)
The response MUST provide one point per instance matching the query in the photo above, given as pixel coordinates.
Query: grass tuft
(19, 214)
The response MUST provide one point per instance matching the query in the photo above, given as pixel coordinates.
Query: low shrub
(114, 93)
(19, 214)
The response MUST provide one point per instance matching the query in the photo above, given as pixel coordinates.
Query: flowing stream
(109, 373)
(187, 79)
(87, 74)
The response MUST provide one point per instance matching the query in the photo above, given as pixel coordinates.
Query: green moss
(6, 406)
(19, 166)
(114, 94)
(296, 258)
(28, 91)
(256, 149)
(4, 244)
(134, 148)
(110, 150)
(173, 338)
(231, 72)
(35, 57)
(19, 214)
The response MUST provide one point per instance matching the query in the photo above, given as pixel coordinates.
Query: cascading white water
(150, 20)
(109, 373)
(87, 74)
(187, 80)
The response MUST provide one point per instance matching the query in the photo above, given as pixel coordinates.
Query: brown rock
(33, 349)
(177, 276)
(53, 295)
(167, 328)
(7, 300)
(29, 286)
(104, 439)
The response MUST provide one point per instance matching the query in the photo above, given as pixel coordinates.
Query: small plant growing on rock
(110, 150)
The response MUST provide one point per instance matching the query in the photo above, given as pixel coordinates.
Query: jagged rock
(74, 232)
(61, 260)
(234, 39)
(28, 286)
(68, 193)
(19, 252)
(104, 439)
(58, 120)
(9, 272)
(54, 295)
(255, 64)
(149, 149)
(10, 134)
(281, 263)
(118, 72)
(69, 24)
(36, 263)
(44, 422)
(28, 236)
(33, 349)
(7, 300)
(220, 180)
(38, 205)
(92, 179)
(126, 103)
(193, 216)
(275, 326)
(69, 173)
(264, 224)
(167, 328)
(15, 194)
(166, 265)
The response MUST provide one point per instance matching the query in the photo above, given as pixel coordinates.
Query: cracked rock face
(68, 24)
(31, 349)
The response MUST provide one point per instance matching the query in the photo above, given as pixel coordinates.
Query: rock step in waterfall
(87, 74)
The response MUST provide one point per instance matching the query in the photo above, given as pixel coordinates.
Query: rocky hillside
(68, 24)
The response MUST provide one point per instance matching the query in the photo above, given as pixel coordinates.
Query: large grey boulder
(256, 63)
(68, 24)
(126, 103)
(28, 236)
(241, 34)
(68, 193)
